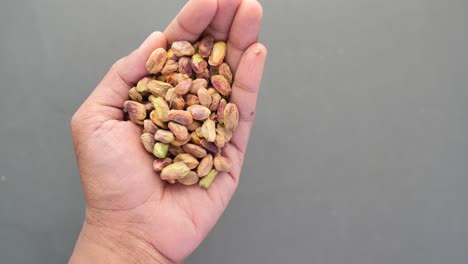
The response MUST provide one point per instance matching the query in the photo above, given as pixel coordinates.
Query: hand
(131, 215)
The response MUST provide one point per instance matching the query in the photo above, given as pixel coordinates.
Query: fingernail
(258, 50)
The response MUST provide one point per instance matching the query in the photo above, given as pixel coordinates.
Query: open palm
(122, 191)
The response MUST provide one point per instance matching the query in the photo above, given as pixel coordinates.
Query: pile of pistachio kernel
(183, 106)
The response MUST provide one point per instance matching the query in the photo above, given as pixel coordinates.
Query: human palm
(122, 192)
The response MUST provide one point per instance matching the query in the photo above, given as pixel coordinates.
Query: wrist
(98, 244)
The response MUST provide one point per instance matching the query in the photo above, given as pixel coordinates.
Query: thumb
(106, 101)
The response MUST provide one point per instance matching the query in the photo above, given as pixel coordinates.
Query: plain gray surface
(359, 153)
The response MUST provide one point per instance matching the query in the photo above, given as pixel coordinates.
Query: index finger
(244, 31)
(192, 20)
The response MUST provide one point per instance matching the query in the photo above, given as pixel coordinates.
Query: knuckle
(75, 121)
(116, 66)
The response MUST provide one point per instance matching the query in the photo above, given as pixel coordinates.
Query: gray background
(359, 153)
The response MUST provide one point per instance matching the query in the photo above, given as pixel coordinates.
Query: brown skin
(131, 215)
